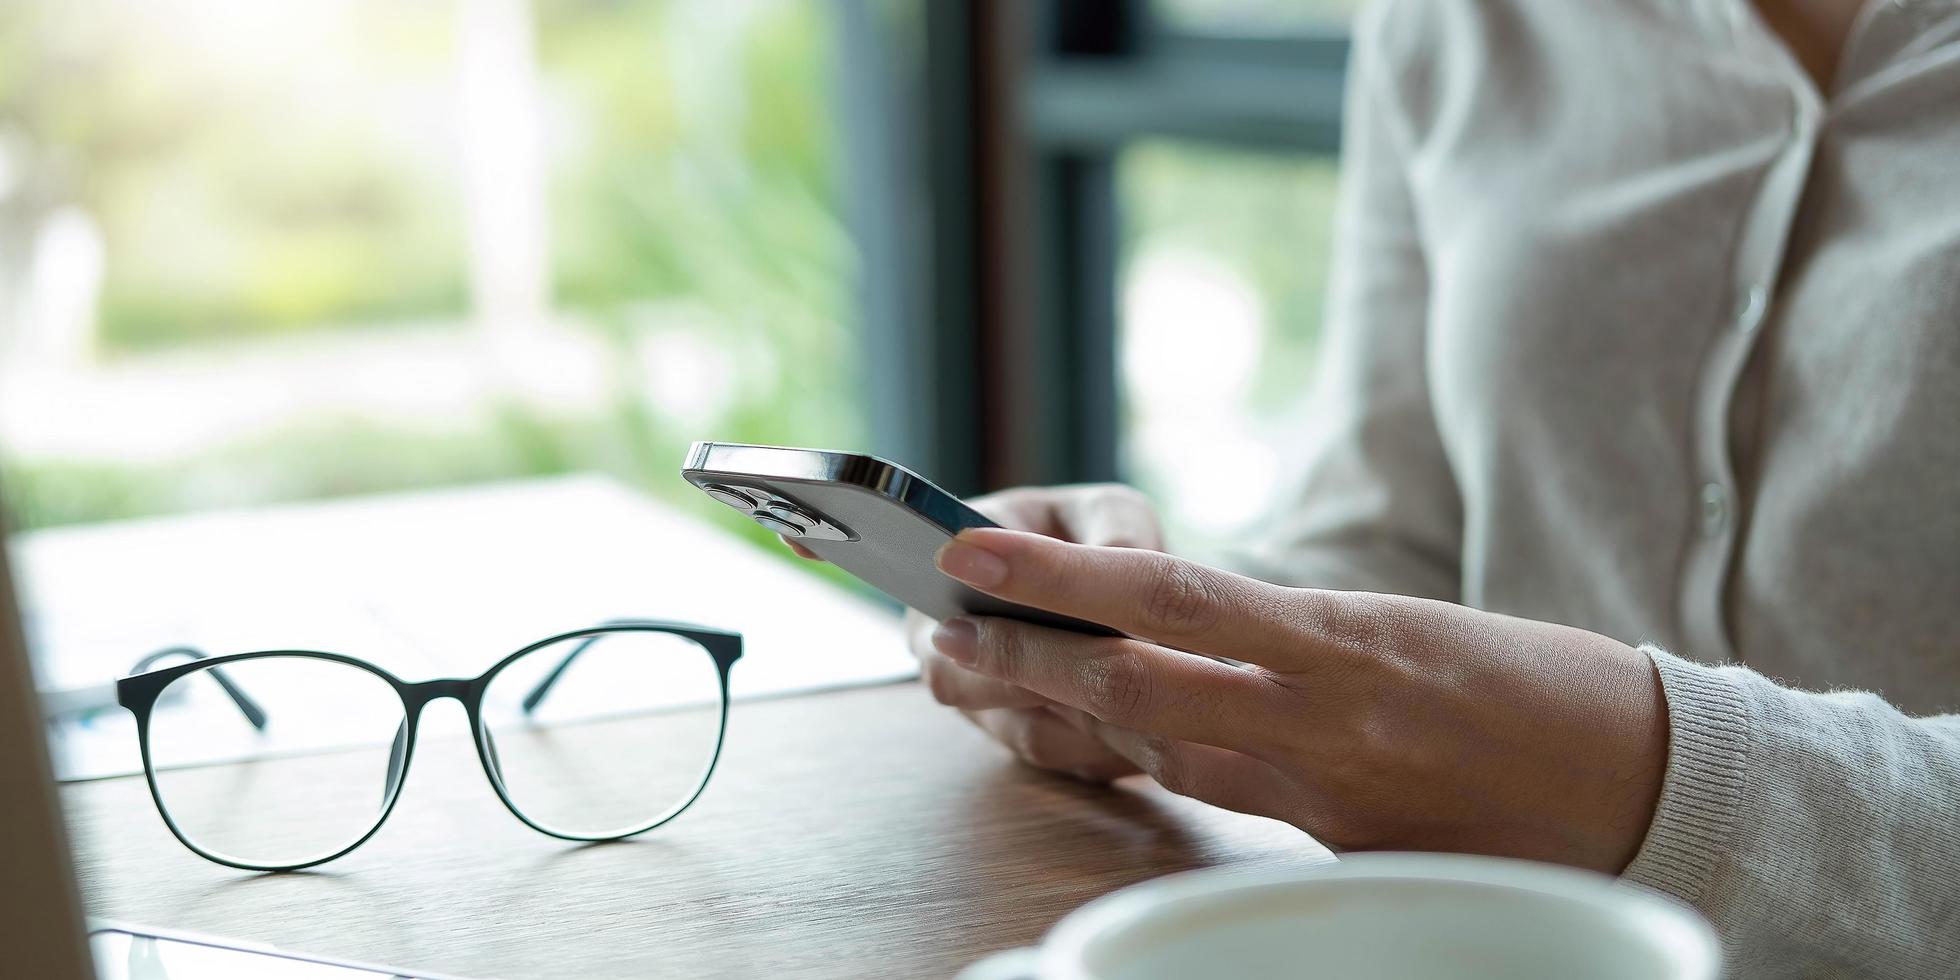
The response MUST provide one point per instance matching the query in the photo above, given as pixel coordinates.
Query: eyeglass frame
(139, 693)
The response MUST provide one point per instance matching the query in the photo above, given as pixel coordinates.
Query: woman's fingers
(955, 686)
(1023, 508)
(1111, 516)
(801, 552)
(958, 687)
(1143, 593)
(1040, 738)
(1124, 682)
(1220, 777)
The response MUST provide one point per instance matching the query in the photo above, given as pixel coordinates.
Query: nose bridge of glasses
(427, 691)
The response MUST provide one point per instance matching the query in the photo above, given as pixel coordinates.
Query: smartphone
(871, 517)
(132, 953)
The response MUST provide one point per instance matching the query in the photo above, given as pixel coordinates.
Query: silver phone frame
(880, 476)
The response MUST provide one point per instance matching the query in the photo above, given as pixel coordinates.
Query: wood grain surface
(857, 833)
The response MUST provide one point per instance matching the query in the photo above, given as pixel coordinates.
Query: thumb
(1112, 516)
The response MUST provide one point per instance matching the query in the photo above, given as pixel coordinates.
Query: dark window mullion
(1065, 350)
(1078, 318)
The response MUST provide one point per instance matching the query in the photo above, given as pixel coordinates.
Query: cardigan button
(1714, 509)
(1749, 312)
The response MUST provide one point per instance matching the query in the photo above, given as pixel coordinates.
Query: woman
(1639, 430)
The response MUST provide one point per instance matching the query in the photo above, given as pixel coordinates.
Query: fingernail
(974, 565)
(958, 639)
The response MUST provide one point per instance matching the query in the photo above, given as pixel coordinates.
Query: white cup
(1373, 917)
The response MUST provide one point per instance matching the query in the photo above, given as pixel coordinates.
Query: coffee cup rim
(1680, 932)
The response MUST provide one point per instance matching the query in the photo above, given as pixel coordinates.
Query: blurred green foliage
(289, 189)
(306, 179)
(730, 201)
(233, 200)
(337, 457)
(1265, 215)
(726, 199)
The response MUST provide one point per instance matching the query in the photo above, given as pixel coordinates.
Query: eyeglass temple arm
(536, 697)
(250, 708)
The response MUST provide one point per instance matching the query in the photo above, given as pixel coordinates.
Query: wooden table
(865, 832)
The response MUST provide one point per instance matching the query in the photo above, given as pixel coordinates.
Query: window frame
(992, 334)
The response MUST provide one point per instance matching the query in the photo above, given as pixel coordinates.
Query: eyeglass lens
(621, 738)
(226, 793)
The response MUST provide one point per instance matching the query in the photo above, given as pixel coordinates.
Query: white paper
(426, 585)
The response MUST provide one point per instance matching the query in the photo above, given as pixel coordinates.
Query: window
(1220, 297)
(1184, 163)
(259, 252)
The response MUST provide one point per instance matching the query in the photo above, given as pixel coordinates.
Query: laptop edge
(41, 923)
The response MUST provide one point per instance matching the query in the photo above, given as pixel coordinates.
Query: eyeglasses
(591, 735)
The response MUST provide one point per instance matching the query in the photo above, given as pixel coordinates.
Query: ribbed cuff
(1708, 749)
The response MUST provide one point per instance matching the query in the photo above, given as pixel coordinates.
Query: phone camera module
(732, 496)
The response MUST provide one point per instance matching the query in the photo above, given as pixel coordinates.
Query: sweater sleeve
(1375, 506)
(1819, 832)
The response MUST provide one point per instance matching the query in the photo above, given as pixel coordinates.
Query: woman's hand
(1370, 721)
(1031, 726)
